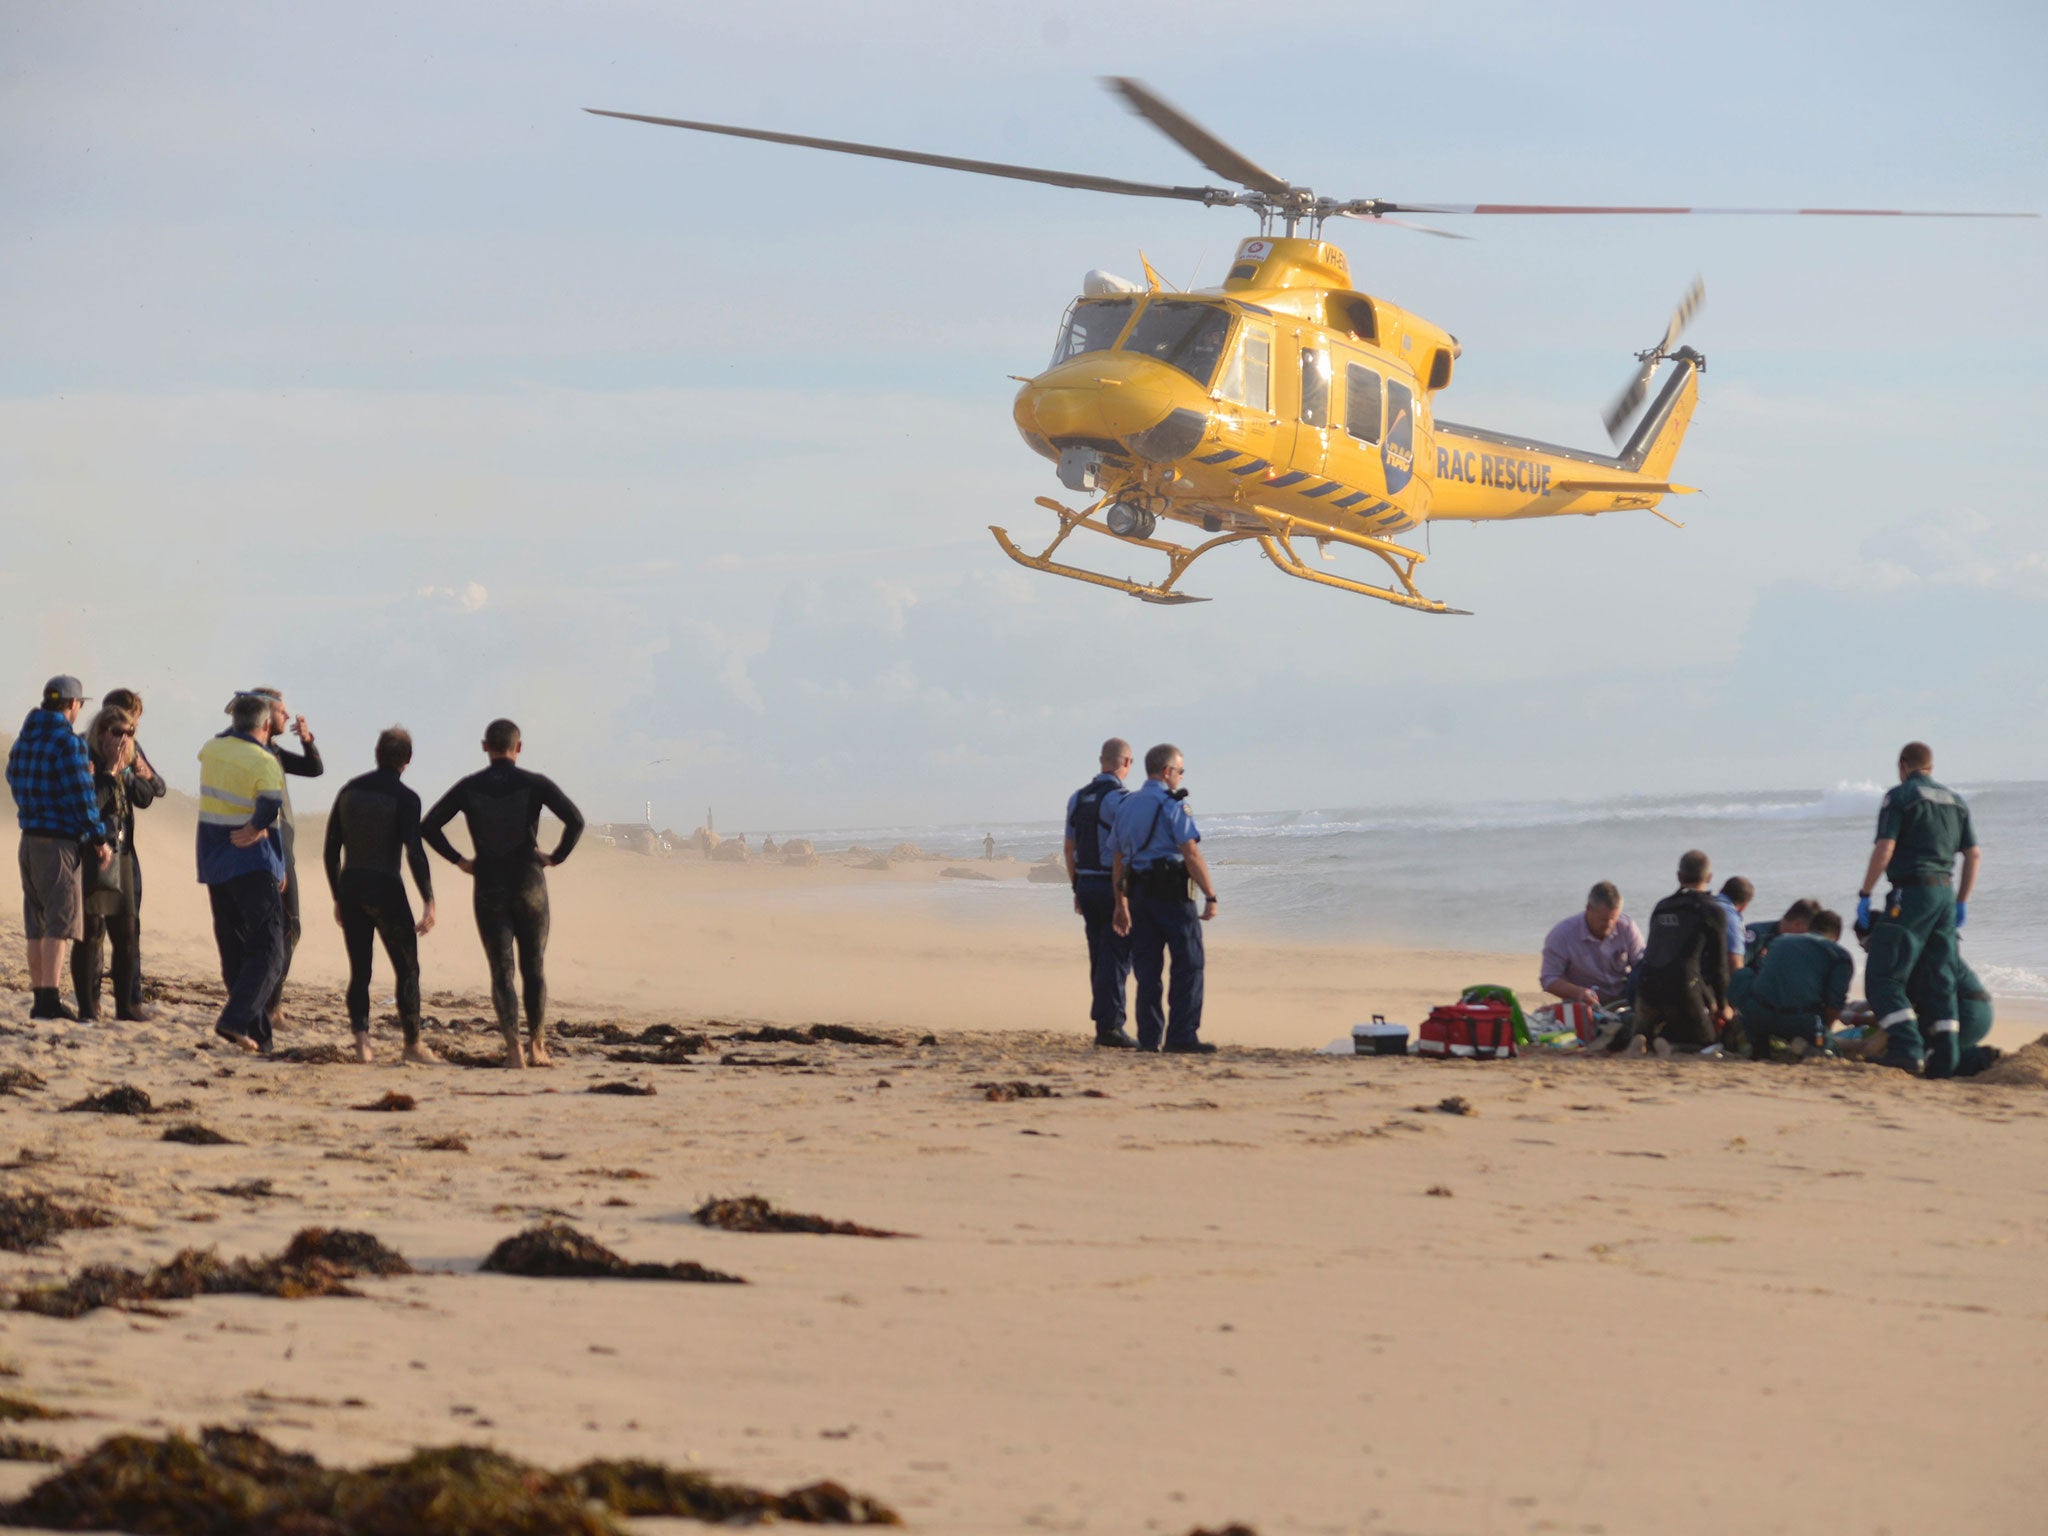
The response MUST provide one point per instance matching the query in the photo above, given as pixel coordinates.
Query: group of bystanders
(76, 799)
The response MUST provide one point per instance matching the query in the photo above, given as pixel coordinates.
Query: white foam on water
(2014, 981)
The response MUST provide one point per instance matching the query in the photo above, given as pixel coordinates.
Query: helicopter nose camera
(1128, 520)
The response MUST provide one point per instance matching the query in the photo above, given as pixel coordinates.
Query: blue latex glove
(1863, 913)
(1962, 913)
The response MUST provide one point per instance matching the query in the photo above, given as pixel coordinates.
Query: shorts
(52, 889)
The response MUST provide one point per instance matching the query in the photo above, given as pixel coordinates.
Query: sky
(345, 353)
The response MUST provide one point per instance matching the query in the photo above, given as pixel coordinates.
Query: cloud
(1949, 548)
(470, 597)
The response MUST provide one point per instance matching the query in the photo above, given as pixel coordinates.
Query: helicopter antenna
(1265, 194)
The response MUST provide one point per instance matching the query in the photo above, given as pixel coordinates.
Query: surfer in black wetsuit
(502, 807)
(375, 820)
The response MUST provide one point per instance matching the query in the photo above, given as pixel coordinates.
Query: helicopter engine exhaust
(1128, 520)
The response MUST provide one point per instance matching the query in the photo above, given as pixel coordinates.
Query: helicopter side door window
(1361, 403)
(1245, 376)
(1315, 387)
(1092, 325)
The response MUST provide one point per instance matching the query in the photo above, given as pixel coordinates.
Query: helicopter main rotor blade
(1195, 139)
(1570, 208)
(1075, 179)
(1381, 218)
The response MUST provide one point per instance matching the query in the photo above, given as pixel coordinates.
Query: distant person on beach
(49, 773)
(1588, 957)
(1736, 895)
(375, 822)
(1799, 989)
(1091, 823)
(501, 806)
(1682, 988)
(988, 847)
(1155, 847)
(305, 764)
(1922, 828)
(241, 864)
(110, 888)
(145, 786)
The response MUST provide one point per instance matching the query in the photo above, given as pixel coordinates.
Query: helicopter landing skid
(1401, 560)
(1178, 556)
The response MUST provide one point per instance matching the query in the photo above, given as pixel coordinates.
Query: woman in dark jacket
(145, 787)
(110, 891)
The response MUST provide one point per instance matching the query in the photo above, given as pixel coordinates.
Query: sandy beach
(1272, 1287)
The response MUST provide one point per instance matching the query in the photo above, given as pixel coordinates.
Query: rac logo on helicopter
(1496, 470)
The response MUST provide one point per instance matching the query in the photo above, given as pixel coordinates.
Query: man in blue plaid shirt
(50, 775)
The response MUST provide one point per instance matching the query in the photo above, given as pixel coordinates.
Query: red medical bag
(1482, 1031)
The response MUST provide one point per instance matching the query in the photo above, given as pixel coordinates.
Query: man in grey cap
(49, 773)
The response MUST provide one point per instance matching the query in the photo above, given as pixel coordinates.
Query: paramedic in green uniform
(1799, 989)
(1973, 1018)
(1921, 828)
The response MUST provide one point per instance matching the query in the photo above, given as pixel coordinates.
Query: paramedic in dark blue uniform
(1156, 854)
(1091, 814)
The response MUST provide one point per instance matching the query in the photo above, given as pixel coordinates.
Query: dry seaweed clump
(317, 1262)
(322, 1055)
(236, 1483)
(751, 1213)
(28, 1222)
(393, 1103)
(14, 1409)
(193, 1134)
(18, 1080)
(846, 1034)
(623, 1090)
(647, 1488)
(118, 1100)
(21, 1448)
(555, 1250)
(1009, 1093)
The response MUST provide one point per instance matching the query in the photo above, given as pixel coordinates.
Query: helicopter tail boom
(1486, 476)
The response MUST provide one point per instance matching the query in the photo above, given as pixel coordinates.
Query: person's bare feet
(514, 1055)
(363, 1051)
(422, 1055)
(538, 1054)
(1663, 1049)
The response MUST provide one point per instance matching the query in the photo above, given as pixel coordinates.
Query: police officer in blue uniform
(1091, 815)
(1156, 854)
(1922, 828)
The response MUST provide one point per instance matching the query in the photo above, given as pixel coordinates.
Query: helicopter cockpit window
(1245, 375)
(1092, 325)
(1189, 336)
(1361, 403)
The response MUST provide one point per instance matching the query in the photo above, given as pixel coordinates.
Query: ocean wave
(2014, 981)
(1845, 801)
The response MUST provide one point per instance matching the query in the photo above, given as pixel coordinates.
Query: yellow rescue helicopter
(1287, 405)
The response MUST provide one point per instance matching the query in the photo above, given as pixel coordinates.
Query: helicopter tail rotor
(1630, 400)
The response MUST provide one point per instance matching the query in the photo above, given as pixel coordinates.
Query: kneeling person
(1800, 988)
(375, 819)
(1682, 990)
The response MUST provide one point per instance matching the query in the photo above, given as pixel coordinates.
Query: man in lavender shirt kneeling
(1587, 957)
